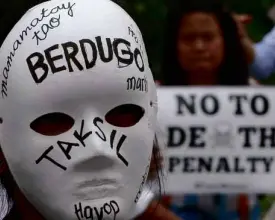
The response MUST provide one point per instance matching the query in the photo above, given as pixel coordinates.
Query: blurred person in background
(203, 48)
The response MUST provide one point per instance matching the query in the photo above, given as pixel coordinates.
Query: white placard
(218, 139)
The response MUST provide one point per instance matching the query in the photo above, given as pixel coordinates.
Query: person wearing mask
(76, 143)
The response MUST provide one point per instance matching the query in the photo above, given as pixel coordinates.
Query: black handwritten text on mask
(81, 136)
(83, 55)
(87, 212)
(42, 28)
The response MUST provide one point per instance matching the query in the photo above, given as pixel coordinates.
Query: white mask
(71, 156)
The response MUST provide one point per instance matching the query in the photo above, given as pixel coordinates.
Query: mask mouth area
(97, 188)
(124, 116)
(52, 124)
(97, 183)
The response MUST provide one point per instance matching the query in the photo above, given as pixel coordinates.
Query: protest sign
(218, 139)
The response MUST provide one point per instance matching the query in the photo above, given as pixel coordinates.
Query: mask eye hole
(52, 124)
(125, 115)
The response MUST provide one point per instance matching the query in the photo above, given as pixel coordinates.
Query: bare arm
(247, 43)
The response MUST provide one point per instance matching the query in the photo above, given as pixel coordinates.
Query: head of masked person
(78, 109)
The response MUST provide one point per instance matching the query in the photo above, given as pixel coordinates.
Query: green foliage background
(150, 17)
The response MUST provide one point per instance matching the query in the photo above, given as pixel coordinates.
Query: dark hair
(8, 183)
(234, 70)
